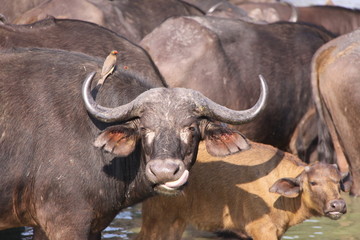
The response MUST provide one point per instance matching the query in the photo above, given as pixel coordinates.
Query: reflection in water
(22, 233)
(127, 224)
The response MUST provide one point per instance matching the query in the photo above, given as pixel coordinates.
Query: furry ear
(287, 187)
(119, 140)
(222, 141)
(346, 181)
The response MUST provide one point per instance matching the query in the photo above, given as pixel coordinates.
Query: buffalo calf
(257, 193)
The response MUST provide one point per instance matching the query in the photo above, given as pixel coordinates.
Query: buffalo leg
(161, 220)
(60, 233)
(39, 234)
(64, 225)
(262, 230)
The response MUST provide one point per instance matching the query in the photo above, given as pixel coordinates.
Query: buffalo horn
(218, 112)
(103, 113)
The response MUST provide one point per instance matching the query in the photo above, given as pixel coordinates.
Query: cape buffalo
(336, 19)
(132, 19)
(217, 56)
(210, 6)
(11, 9)
(80, 36)
(269, 11)
(258, 193)
(69, 163)
(336, 88)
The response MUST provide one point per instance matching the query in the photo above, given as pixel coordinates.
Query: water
(127, 224)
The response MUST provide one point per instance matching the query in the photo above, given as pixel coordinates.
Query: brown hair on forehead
(322, 171)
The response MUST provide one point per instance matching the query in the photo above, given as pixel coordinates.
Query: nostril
(152, 172)
(338, 205)
(177, 170)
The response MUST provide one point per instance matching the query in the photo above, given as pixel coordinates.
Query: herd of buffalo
(226, 115)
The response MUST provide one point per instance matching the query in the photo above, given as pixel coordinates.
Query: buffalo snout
(335, 208)
(168, 175)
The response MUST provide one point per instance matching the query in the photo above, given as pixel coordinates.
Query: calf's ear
(119, 140)
(221, 141)
(287, 187)
(346, 181)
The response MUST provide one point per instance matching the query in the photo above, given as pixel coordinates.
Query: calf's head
(169, 123)
(319, 187)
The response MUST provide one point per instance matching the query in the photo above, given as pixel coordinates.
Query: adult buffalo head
(169, 123)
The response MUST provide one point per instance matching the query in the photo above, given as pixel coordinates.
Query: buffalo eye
(143, 130)
(312, 183)
(192, 129)
(148, 134)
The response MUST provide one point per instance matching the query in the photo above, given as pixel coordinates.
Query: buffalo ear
(287, 187)
(119, 140)
(346, 182)
(222, 141)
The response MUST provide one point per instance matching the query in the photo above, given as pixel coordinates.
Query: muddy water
(127, 224)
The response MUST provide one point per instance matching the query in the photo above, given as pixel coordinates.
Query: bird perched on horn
(108, 67)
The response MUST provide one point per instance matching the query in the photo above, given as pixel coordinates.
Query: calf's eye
(313, 183)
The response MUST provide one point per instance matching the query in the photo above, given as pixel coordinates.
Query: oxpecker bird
(108, 67)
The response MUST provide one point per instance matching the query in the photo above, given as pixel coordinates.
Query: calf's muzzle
(335, 208)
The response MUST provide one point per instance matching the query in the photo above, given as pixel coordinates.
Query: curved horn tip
(87, 81)
(90, 77)
(265, 89)
(85, 91)
(263, 81)
(105, 114)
